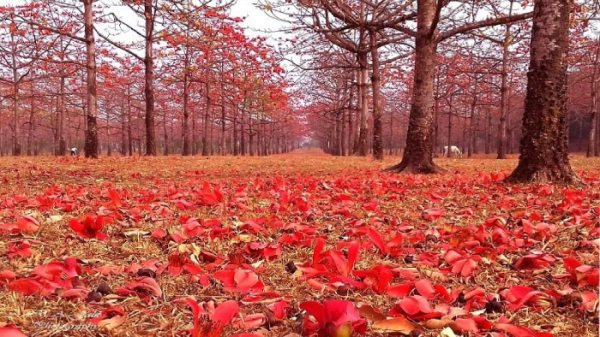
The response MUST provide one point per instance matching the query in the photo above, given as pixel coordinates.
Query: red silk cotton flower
(333, 318)
(89, 229)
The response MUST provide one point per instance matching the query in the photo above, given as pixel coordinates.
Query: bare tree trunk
(242, 125)
(418, 155)
(185, 130)
(364, 106)
(450, 125)
(166, 135)
(504, 91)
(108, 148)
(16, 148)
(30, 135)
(222, 150)
(470, 123)
(250, 133)
(91, 137)
(597, 148)
(544, 146)
(149, 87)
(591, 148)
(205, 149)
(236, 149)
(123, 133)
(358, 110)
(343, 133)
(377, 106)
(436, 119)
(129, 126)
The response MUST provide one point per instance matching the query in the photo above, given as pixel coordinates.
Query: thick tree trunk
(91, 136)
(377, 106)
(544, 146)
(418, 155)
(149, 72)
(591, 147)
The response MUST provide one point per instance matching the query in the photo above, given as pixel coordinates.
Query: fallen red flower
(89, 229)
(333, 318)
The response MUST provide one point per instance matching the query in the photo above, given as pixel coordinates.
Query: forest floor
(302, 243)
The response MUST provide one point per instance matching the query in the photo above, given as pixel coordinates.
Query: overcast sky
(256, 20)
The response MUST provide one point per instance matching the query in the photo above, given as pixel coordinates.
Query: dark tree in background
(544, 146)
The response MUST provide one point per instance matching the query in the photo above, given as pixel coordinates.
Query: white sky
(256, 21)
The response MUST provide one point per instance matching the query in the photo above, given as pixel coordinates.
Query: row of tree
(186, 79)
(439, 73)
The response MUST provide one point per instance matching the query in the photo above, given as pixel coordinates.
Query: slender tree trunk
(343, 133)
(149, 85)
(222, 150)
(62, 144)
(436, 117)
(591, 148)
(357, 114)
(91, 137)
(250, 133)
(30, 135)
(377, 106)
(205, 148)
(244, 150)
(470, 123)
(123, 133)
(544, 145)
(418, 154)
(166, 135)
(185, 131)
(504, 91)
(488, 131)
(236, 149)
(597, 148)
(129, 126)
(449, 144)
(363, 148)
(108, 148)
(16, 148)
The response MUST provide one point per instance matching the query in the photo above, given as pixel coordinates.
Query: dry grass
(86, 183)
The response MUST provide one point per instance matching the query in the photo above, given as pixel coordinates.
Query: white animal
(73, 152)
(454, 151)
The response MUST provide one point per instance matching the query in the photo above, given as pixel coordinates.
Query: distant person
(74, 152)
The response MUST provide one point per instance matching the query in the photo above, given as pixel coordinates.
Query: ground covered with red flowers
(302, 244)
